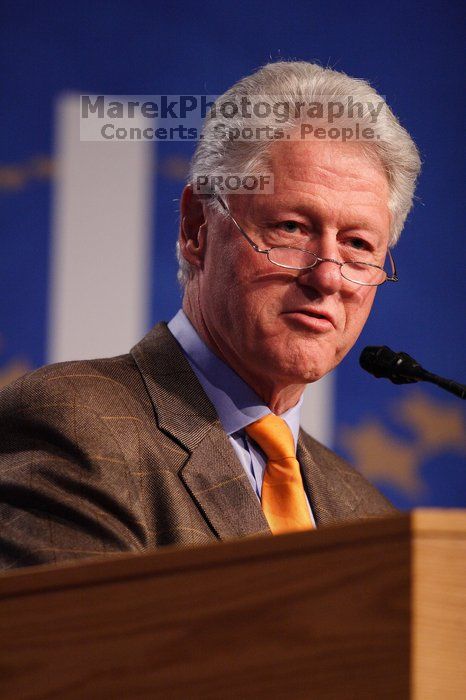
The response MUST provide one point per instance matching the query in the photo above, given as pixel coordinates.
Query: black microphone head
(377, 360)
(399, 367)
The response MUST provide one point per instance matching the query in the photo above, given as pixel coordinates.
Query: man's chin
(308, 360)
(311, 375)
(302, 372)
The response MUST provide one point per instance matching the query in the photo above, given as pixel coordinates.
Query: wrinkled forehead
(326, 162)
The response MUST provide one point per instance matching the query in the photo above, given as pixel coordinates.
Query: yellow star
(438, 426)
(381, 457)
(13, 370)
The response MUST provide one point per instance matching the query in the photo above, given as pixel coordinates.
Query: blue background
(412, 54)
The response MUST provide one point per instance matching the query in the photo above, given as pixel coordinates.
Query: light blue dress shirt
(237, 405)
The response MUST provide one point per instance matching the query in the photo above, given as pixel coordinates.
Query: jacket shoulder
(69, 462)
(100, 385)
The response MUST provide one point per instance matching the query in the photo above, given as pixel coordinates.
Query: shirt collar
(236, 403)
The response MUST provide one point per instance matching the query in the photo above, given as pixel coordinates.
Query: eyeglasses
(292, 258)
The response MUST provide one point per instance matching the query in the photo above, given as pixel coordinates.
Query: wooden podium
(374, 609)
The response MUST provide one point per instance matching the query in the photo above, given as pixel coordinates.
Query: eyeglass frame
(393, 278)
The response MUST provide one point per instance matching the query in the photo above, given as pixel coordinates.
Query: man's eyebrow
(298, 207)
(365, 224)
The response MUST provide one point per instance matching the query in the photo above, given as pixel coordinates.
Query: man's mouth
(315, 319)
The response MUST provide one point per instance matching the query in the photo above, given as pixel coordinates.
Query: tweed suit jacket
(128, 454)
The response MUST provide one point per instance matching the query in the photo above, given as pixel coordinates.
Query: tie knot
(273, 436)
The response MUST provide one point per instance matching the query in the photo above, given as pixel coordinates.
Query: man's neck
(278, 398)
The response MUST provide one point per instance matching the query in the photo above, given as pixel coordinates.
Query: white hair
(292, 83)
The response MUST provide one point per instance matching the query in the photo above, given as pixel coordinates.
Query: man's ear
(193, 227)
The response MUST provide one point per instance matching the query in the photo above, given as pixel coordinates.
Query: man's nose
(325, 277)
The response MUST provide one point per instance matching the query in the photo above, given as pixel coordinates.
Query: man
(194, 435)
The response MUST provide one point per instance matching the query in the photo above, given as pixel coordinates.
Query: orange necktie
(283, 499)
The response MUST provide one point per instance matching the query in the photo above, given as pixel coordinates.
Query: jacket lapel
(220, 487)
(211, 471)
(330, 494)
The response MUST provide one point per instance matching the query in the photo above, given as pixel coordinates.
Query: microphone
(400, 368)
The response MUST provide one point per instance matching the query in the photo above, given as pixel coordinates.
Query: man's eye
(359, 244)
(289, 226)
